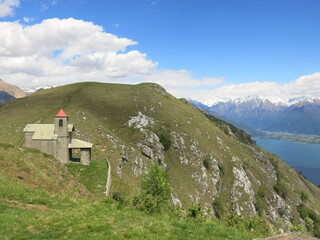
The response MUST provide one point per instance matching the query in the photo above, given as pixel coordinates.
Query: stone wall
(85, 156)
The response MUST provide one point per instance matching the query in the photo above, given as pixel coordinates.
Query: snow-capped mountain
(298, 115)
(271, 99)
(29, 91)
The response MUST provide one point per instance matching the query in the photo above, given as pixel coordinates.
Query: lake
(303, 157)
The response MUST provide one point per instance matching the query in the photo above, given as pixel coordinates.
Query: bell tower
(61, 131)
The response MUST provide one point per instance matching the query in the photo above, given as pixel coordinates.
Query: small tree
(155, 190)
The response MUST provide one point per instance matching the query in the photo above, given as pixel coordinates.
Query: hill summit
(208, 161)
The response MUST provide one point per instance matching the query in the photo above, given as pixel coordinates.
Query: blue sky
(194, 48)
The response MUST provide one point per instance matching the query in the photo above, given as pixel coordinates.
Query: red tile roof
(61, 113)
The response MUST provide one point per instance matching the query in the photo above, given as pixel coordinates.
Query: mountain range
(300, 115)
(208, 162)
(9, 92)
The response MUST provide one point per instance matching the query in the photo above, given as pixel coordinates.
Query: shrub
(245, 165)
(155, 190)
(165, 138)
(281, 189)
(281, 212)
(118, 197)
(221, 168)
(297, 228)
(311, 218)
(252, 224)
(217, 205)
(195, 211)
(304, 196)
(261, 192)
(207, 162)
(259, 205)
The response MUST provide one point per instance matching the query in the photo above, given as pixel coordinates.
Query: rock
(241, 186)
(175, 201)
(140, 121)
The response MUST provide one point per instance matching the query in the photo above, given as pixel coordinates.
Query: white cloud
(59, 51)
(308, 85)
(28, 20)
(7, 7)
(180, 79)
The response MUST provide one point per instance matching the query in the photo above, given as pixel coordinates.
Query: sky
(194, 48)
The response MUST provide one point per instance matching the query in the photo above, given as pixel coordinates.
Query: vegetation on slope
(205, 158)
(40, 200)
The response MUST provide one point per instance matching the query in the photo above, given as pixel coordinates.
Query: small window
(60, 123)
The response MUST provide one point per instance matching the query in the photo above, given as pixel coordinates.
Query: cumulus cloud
(59, 51)
(308, 85)
(7, 7)
(28, 20)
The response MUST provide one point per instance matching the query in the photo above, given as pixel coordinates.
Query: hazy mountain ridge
(9, 92)
(5, 97)
(299, 115)
(11, 89)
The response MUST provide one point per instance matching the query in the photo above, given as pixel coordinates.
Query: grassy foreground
(40, 199)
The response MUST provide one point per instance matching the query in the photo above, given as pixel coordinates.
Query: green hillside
(207, 160)
(39, 199)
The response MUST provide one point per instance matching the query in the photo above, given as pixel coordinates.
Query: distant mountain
(299, 115)
(11, 89)
(5, 97)
(29, 91)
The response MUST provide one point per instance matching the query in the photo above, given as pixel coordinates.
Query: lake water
(303, 157)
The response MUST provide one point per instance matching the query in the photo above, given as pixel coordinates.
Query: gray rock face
(151, 146)
(140, 121)
(241, 187)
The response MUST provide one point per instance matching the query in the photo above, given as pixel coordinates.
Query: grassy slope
(99, 109)
(40, 200)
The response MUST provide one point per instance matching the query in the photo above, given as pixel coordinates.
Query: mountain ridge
(299, 115)
(11, 89)
(272, 99)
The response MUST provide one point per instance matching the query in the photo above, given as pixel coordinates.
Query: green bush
(281, 189)
(155, 190)
(281, 212)
(118, 197)
(217, 205)
(259, 205)
(252, 224)
(311, 218)
(195, 211)
(304, 196)
(165, 138)
(221, 168)
(245, 165)
(207, 162)
(297, 228)
(261, 192)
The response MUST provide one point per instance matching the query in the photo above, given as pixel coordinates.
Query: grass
(93, 177)
(30, 210)
(101, 220)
